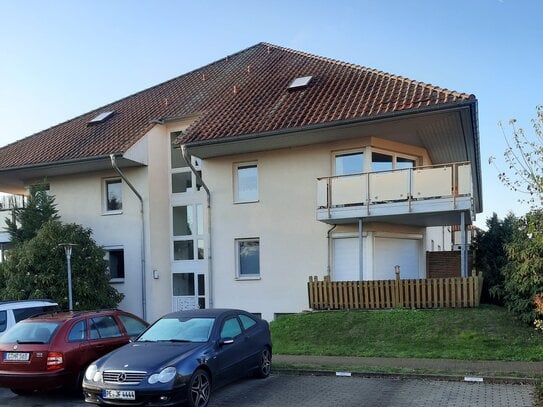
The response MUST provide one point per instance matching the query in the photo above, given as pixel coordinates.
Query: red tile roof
(245, 93)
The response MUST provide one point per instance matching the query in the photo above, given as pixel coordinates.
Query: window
(183, 221)
(78, 332)
(104, 327)
(246, 321)
(231, 328)
(350, 163)
(3, 320)
(188, 229)
(248, 255)
(246, 183)
(387, 162)
(177, 160)
(183, 284)
(23, 313)
(183, 180)
(183, 250)
(381, 162)
(133, 326)
(402, 162)
(113, 195)
(115, 259)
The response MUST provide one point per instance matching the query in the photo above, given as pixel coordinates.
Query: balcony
(427, 196)
(8, 202)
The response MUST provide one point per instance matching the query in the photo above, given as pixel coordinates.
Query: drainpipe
(143, 282)
(329, 266)
(187, 158)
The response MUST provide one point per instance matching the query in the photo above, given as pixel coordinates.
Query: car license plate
(119, 394)
(16, 356)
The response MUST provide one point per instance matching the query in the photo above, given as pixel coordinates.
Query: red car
(53, 350)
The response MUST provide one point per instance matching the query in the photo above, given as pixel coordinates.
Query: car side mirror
(226, 341)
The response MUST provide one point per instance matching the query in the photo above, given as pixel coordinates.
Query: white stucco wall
(79, 200)
(293, 245)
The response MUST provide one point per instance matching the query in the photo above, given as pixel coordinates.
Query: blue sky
(59, 59)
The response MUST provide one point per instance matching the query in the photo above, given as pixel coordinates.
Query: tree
(524, 157)
(490, 256)
(39, 209)
(523, 273)
(36, 268)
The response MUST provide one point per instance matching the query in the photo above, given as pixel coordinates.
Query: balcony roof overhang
(449, 134)
(15, 180)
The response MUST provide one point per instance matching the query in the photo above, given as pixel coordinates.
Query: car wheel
(199, 389)
(22, 392)
(264, 368)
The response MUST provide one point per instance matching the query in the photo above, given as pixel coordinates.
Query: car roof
(66, 315)
(204, 313)
(25, 303)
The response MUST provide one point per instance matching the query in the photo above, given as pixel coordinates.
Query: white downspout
(143, 281)
(187, 158)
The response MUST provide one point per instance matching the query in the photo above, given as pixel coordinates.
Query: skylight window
(102, 117)
(301, 82)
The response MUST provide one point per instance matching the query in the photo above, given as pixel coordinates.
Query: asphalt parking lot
(331, 391)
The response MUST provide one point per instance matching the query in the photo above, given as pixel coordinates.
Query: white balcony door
(390, 252)
(345, 265)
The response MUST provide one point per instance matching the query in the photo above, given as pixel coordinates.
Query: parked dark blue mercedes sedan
(181, 358)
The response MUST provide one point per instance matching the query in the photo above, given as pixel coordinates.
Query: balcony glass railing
(418, 183)
(8, 202)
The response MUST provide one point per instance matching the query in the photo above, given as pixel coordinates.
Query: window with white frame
(115, 261)
(113, 195)
(381, 161)
(182, 178)
(349, 163)
(248, 258)
(245, 182)
(188, 231)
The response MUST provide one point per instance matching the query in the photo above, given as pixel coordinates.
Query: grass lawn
(485, 333)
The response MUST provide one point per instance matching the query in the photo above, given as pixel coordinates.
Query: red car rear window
(30, 332)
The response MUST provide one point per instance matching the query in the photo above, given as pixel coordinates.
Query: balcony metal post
(360, 250)
(463, 257)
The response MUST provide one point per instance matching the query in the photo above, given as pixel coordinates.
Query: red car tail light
(55, 360)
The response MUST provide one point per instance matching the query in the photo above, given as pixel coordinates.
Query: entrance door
(345, 267)
(390, 252)
(188, 291)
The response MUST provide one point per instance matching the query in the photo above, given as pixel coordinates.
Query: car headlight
(92, 373)
(164, 376)
(91, 370)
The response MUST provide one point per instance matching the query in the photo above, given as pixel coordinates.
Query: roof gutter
(348, 122)
(187, 158)
(143, 281)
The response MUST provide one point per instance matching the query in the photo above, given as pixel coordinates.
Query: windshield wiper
(175, 340)
(30, 342)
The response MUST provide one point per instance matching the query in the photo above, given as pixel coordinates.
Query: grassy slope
(485, 333)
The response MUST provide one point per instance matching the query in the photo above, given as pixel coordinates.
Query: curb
(414, 376)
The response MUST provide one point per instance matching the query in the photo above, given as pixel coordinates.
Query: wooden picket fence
(425, 293)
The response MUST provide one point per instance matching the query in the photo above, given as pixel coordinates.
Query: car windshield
(179, 330)
(30, 332)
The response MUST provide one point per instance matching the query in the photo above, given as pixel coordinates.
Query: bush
(523, 274)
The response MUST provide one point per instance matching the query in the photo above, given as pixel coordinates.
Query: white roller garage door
(345, 267)
(390, 252)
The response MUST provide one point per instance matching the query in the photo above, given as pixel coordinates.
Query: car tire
(264, 366)
(23, 392)
(199, 389)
